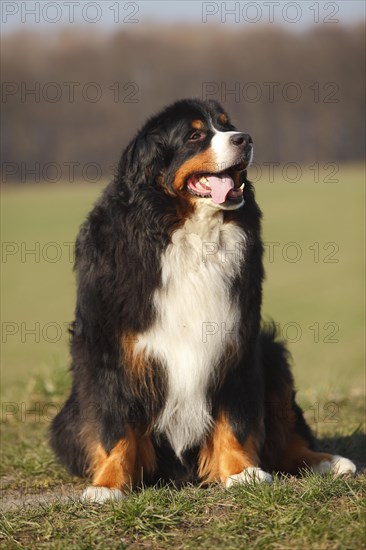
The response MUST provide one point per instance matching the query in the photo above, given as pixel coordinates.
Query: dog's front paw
(338, 465)
(101, 494)
(249, 475)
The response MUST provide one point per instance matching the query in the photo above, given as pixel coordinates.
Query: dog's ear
(142, 161)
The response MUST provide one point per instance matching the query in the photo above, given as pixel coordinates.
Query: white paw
(101, 494)
(249, 475)
(339, 466)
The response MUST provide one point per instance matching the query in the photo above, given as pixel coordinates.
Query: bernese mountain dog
(173, 376)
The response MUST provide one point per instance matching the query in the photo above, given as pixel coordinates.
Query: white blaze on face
(225, 153)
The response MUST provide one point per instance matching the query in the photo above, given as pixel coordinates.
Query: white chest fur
(195, 318)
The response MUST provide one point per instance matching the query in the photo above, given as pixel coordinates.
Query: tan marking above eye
(223, 118)
(198, 124)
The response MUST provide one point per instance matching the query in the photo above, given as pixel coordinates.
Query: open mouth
(219, 187)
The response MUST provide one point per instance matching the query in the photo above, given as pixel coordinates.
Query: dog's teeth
(203, 179)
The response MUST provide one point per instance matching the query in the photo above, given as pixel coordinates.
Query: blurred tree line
(71, 101)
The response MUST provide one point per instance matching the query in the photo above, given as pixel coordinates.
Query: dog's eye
(196, 135)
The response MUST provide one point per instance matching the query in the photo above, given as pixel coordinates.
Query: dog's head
(190, 151)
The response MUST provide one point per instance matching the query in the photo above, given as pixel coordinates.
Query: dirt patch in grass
(13, 499)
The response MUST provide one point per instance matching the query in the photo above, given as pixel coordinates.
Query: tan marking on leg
(125, 465)
(118, 468)
(98, 457)
(223, 455)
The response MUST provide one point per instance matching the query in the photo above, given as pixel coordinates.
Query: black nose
(241, 140)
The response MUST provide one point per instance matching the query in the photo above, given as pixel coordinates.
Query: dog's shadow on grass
(350, 446)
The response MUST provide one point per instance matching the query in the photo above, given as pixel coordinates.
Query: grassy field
(314, 235)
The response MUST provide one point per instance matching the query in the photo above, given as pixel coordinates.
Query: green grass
(34, 289)
(312, 512)
(307, 512)
(286, 515)
(308, 291)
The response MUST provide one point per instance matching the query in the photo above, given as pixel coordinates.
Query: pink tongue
(220, 187)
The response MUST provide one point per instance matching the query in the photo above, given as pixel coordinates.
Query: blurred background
(78, 80)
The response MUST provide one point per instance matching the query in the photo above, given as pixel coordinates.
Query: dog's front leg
(223, 458)
(118, 471)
